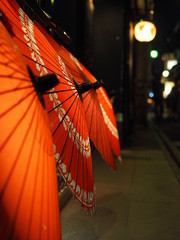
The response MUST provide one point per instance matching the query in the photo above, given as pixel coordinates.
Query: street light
(144, 31)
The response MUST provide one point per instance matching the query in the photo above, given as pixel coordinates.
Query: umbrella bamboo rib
(78, 156)
(42, 194)
(87, 107)
(64, 116)
(5, 142)
(14, 164)
(61, 91)
(17, 18)
(69, 127)
(74, 137)
(25, 175)
(57, 106)
(13, 78)
(43, 50)
(74, 72)
(83, 174)
(16, 126)
(34, 193)
(16, 89)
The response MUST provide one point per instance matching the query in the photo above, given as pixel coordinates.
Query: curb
(173, 150)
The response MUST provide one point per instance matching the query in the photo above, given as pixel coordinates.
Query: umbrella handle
(86, 86)
(98, 84)
(43, 83)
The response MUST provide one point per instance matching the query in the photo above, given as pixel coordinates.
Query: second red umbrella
(96, 120)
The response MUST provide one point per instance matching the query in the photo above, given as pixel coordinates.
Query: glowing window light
(145, 31)
(165, 73)
(167, 88)
(171, 63)
(91, 5)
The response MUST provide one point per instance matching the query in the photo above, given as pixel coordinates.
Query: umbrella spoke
(16, 104)
(73, 71)
(24, 178)
(79, 169)
(60, 104)
(92, 115)
(29, 32)
(60, 91)
(103, 138)
(82, 166)
(47, 57)
(16, 89)
(41, 65)
(34, 193)
(42, 194)
(69, 126)
(15, 69)
(21, 147)
(79, 155)
(85, 95)
(13, 77)
(74, 140)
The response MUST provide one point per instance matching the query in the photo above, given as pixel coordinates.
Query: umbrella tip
(119, 159)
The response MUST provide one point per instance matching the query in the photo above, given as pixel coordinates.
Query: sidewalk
(141, 201)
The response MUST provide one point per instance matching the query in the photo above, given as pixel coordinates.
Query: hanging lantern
(145, 31)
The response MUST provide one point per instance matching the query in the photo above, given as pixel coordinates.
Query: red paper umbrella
(95, 119)
(65, 110)
(104, 101)
(105, 105)
(29, 207)
(108, 112)
(110, 120)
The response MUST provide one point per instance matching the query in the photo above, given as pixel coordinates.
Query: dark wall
(107, 41)
(108, 24)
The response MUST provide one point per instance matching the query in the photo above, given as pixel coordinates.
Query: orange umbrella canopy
(96, 119)
(103, 98)
(110, 120)
(65, 110)
(99, 111)
(29, 207)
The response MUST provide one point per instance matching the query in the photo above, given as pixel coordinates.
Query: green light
(154, 53)
(52, 2)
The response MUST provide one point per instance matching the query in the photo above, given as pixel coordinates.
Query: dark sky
(166, 15)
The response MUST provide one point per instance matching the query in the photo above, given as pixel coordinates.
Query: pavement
(140, 201)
